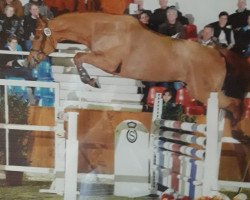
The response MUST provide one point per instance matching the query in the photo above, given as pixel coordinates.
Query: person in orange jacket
(62, 6)
(16, 4)
(107, 6)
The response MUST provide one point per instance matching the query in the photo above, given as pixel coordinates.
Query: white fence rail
(8, 126)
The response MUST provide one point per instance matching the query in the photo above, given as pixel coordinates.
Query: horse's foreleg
(108, 61)
(84, 76)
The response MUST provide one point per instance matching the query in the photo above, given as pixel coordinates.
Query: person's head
(140, 3)
(242, 4)
(37, 2)
(12, 42)
(34, 10)
(144, 17)
(207, 32)
(223, 18)
(8, 2)
(167, 95)
(9, 11)
(163, 3)
(172, 15)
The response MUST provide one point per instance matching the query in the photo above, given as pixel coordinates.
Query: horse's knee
(78, 59)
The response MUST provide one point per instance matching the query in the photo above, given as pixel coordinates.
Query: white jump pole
(211, 171)
(70, 186)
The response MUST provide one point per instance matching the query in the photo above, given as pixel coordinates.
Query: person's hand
(10, 63)
(237, 29)
(21, 62)
(32, 36)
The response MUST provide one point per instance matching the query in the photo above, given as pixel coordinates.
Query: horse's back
(98, 16)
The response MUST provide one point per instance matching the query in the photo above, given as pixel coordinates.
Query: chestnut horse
(120, 45)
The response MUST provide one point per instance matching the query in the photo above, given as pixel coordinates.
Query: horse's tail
(237, 80)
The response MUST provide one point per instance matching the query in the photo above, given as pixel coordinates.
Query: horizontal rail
(234, 184)
(42, 170)
(27, 127)
(70, 45)
(26, 53)
(25, 83)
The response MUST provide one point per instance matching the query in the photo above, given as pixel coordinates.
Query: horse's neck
(71, 32)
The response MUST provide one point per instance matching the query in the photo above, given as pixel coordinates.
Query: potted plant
(18, 139)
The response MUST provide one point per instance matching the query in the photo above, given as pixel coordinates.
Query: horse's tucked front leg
(109, 61)
(84, 76)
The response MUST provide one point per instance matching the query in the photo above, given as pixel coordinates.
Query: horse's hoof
(94, 83)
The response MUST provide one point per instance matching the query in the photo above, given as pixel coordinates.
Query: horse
(120, 45)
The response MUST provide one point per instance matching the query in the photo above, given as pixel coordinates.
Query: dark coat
(159, 17)
(244, 38)
(5, 58)
(29, 26)
(239, 19)
(10, 26)
(172, 29)
(218, 29)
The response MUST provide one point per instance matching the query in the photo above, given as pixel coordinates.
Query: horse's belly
(147, 70)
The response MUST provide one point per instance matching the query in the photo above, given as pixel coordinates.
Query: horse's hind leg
(232, 105)
(202, 93)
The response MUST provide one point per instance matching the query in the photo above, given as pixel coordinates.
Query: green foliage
(18, 139)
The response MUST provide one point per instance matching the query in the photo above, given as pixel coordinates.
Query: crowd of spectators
(230, 31)
(17, 30)
(20, 21)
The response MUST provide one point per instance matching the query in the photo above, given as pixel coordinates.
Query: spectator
(63, 6)
(14, 65)
(239, 20)
(244, 39)
(144, 19)
(159, 15)
(12, 44)
(172, 27)
(30, 26)
(191, 28)
(223, 32)
(16, 4)
(10, 25)
(135, 8)
(43, 9)
(170, 110)
(207, 37)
